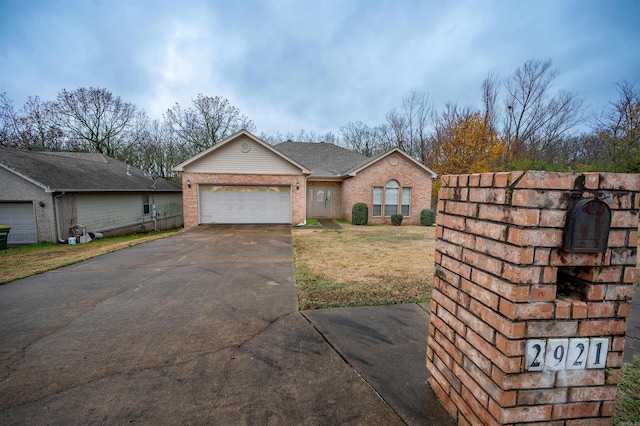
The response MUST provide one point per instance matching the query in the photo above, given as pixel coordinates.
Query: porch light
(297, 186)
(189, 182)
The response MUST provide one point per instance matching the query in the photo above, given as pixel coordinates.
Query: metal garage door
(245, 204)
(19, 216)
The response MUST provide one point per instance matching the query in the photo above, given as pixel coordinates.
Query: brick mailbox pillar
(534, 275)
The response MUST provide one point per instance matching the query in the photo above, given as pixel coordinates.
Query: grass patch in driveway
(22, 262)
(363, 265)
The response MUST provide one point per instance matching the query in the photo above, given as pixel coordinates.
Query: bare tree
(31, 128)
(366, 140)
(490, 92)
(418, 111)
(210, 120)
(583, 151)
(398, 128)
(37, 128)
(359, 137)
(618, 129)
(537, 118)
(312, 136)
(274, 139)
(95, 120)
(159, 150)
(8, 121)
(410, 127)
(301, 136)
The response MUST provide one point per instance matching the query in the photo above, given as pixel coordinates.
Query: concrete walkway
(199, 328)
(329, 224)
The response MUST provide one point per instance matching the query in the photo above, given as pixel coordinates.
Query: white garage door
(245, 204)
(19, 216)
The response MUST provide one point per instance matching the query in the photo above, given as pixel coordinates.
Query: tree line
(524, 123)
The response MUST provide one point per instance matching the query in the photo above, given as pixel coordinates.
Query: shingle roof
(74, 171)
(329, 160)
(323, 159)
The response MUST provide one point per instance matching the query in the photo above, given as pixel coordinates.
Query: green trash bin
(4, 236)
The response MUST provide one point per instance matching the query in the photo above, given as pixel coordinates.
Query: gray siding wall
(101, 212)
(232, 159)
(15, 188)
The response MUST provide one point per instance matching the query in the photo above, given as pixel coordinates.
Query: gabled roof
(180, 167)
(329, 160)
(79, 172)
(317, 159)
(323, 159)
(375, 158)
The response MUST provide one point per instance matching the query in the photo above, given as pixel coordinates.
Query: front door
(321, 202)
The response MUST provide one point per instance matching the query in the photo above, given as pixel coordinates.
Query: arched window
(391, 197)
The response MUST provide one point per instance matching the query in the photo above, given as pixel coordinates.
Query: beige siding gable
(244, 156)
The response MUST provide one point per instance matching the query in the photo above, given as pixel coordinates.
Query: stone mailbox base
(523, 329)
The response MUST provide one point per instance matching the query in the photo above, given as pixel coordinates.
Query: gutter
(56, 207)
(25, 177)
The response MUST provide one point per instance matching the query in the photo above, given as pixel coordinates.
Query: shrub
(360, 214)
(427, 217)
(396, 219)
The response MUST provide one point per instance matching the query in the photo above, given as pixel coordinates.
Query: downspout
(56, 207)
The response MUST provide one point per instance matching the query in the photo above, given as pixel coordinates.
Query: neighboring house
(44, 194)
(242, 179)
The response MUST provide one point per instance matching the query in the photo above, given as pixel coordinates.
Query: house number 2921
(566, 354)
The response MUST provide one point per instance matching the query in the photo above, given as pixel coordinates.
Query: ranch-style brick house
(242, 179)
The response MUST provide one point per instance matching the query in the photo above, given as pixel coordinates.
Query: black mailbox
(587, 227)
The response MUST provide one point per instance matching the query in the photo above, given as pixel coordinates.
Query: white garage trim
(226, 204)
(21, 218)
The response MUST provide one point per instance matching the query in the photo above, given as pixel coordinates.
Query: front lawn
(363, 265)
(22, 262)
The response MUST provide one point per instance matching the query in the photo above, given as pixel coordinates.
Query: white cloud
(314, 65)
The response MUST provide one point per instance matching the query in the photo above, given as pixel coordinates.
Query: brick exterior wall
(190, 195)
(15, 188)
(499, 264)
(336, 197)
(406, 172)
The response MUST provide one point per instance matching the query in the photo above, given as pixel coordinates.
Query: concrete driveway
(199, 328)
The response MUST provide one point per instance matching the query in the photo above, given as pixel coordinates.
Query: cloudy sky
(312, 65)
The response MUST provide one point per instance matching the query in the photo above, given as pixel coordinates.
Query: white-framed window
(377, 201)
(146, 207)
(406, 201)
(391, 197)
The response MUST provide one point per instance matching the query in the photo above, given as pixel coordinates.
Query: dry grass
(363, 265)
(627, 399)
(22, 262)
